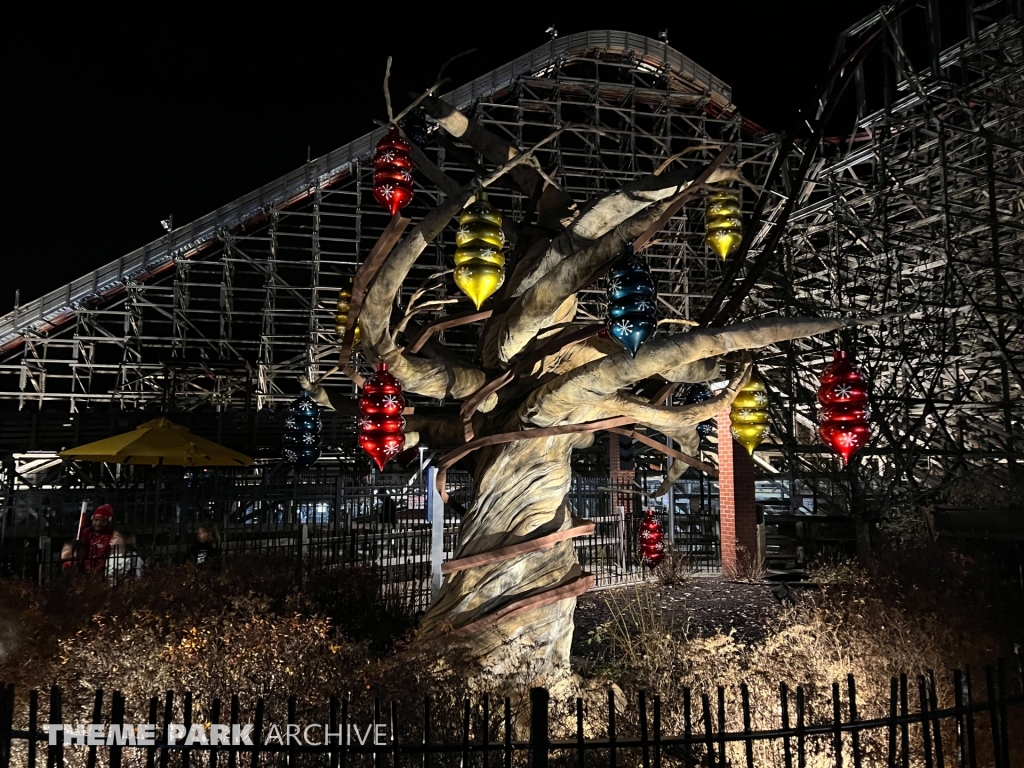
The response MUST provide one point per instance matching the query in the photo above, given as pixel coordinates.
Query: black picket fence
(325, 518)
(540, 732)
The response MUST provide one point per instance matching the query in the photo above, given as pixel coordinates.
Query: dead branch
(387, 92)
(554, 204)
(527, 157)
(675, 419)
(424, 307)
(690, 357)
(436, 379)
(426, 166)
(423, 376)
(611, 210)
(679, 155)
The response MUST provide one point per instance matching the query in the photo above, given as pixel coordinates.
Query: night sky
(114, 122)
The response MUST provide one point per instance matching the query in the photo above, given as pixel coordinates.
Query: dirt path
(703, 606)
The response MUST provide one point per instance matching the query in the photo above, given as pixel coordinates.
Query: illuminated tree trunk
(515, 610)
(521, 491)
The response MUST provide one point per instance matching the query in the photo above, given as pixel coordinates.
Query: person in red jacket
(96, 540)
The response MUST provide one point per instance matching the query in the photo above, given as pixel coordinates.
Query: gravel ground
(709, 605)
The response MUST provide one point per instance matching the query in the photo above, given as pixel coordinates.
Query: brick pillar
(615, 469)
(738, 513)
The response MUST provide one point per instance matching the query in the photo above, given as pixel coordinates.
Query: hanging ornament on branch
(479, 262)
(749, 414)
(341, 311)
(844, 420)
(698, 393)
(632, 318)
(392, 172)
(416, 127)
(381, 425)
(652, 548)
(723, 222)
(302, 426)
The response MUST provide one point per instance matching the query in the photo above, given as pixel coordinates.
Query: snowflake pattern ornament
(652, 548)
(698, 393)
(392, 172)
(749, 414)
(723, 222)
(632, 319)
(479, 262)
(381, 425)
(417, 127)
(844, 419)
(301, 439)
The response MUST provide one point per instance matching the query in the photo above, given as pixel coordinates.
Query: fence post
(6, 724)
(55, 754)
(539, 698)
(303, 550)
(435, 514)
(45, 560)
(339, 510)
(116, 718)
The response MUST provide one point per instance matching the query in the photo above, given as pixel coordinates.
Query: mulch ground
(704, 605)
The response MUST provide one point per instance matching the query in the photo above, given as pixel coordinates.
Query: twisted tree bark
(514, 607)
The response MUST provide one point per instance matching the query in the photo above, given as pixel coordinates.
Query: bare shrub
(245, 630)
(924, 610)
(674, 569)
(748, 567)
(637, 629)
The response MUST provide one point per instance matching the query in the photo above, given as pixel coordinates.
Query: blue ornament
(698, 393)
(632, 318)
(301, 439)
(416, 127)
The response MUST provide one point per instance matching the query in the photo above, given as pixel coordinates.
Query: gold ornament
(724, 225)
(341, 315)
(749, 414)
(479, 262)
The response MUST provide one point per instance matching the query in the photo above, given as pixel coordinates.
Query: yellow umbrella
(159, 442)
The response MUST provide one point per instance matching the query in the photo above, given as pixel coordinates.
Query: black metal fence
(327, 518)
(700, 730)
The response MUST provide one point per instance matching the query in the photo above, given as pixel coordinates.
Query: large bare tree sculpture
(546, 381)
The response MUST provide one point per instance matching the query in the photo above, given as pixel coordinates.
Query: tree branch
(432, 430)
(689, 357)
(671, 420)
(535, 308)
(431, 378)
(554, 204)
(613, 209)
(387, 91)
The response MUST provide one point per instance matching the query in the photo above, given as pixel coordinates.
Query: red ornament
(392, 172)
(381, 426)
(844, 418)
(652, 548)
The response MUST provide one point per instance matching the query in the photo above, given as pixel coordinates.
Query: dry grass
(674, 569)
(929, 609)
(748, 566)
(247, 631)
(242, 631)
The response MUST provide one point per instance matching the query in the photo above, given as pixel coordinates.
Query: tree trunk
(521, 492)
